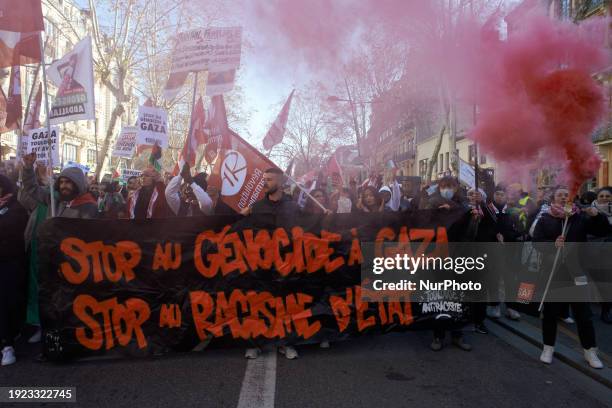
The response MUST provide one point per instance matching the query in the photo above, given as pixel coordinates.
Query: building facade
(81, 141)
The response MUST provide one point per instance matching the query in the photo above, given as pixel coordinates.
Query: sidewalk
(568, 348)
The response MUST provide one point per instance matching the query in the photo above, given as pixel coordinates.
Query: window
(447, 162)
(565, 9)
(471, 153)
(70, 152)
(483, 159)
(91, 156)
(423, 167)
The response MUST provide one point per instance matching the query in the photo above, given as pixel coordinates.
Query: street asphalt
(393, 370)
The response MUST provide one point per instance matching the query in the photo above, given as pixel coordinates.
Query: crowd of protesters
(507, 214)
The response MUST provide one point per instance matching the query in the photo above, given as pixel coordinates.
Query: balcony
(400, 157)
(602, 134)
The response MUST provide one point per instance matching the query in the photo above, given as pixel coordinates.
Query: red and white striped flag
(10, 113)
(32, 121)
(216, 128)
(196, 138)
(277, 131)
(21, 22)
(335, 172)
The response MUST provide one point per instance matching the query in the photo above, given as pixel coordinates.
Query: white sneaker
(324, 344)
(289, 352)
(512, 314)
(590, 356)
(252, 353)
(494, 312)
(8, 356)
(35, 337)
(569, 320)
(547, 354)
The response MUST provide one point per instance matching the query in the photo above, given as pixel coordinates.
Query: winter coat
(173, 198)
(285, 207)
(157, 207)
(13, 220)
(83, 206)
(549, 228)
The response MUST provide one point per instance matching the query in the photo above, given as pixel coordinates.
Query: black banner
(147, 287)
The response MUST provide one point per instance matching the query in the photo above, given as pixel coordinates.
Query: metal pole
(46, 91)
(307, 193)
(354, 114)
(96, 140)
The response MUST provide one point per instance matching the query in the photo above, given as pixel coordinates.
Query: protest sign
(467, 175)
(125, 145)
(73, 75)
(123, 288)
(127, 173)
(216, 50)
(38, 141)
(23, 145)
(220, 82)
(213, 49)
(83, 167)
(152, 127)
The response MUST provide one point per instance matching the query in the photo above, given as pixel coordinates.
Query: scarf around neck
(558, 211)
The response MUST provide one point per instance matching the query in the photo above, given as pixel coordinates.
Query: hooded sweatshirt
(83, 206)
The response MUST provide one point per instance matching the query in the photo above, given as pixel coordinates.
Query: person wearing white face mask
(447, 196)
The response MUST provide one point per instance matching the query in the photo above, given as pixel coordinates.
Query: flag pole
(193, 102)
(552, 272)
(46, 91)
(307, 193)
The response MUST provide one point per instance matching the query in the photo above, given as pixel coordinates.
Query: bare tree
(313, 133)
(132, 51)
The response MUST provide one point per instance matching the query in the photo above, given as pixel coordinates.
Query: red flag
(20, 24)
(277, 131)
(216, 128)
(196, 138)
(32, 121)
(335, 172)
(12, 104)
(241, 168)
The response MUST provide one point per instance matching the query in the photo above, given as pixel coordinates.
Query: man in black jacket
(275, 203)
(282, 209)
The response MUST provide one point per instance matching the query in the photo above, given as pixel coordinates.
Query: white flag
(73, 75)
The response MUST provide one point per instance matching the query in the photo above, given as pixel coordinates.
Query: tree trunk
(116, 114)
(434, 156)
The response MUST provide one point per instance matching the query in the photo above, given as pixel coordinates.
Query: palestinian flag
(116, 176)
(155, 158)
